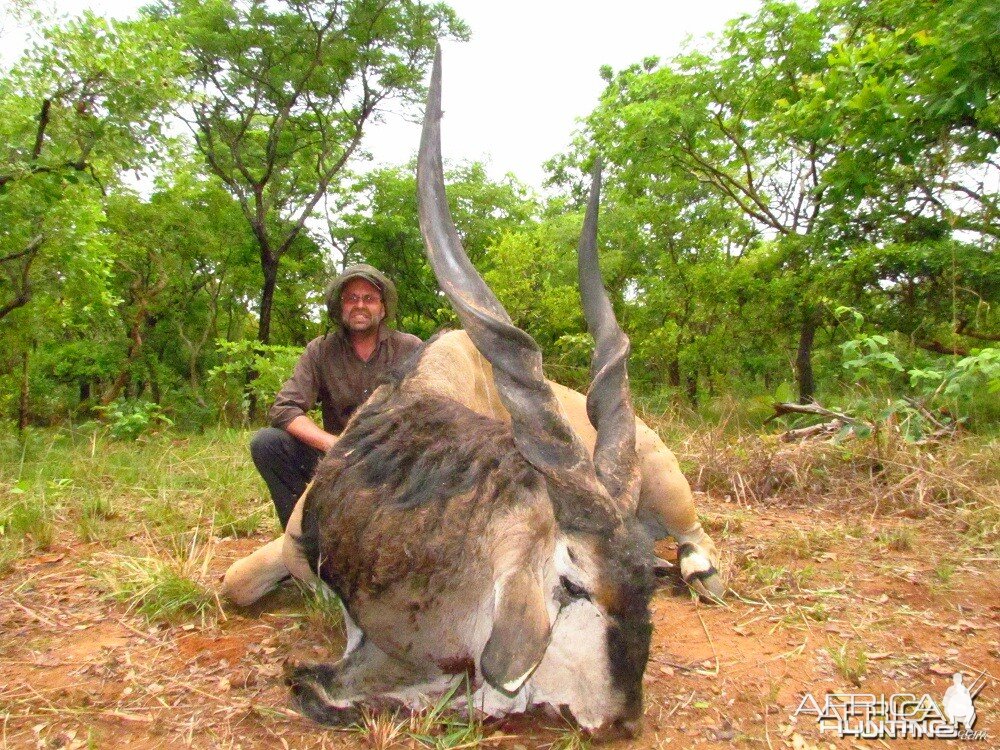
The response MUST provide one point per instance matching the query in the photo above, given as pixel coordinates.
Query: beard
(362, 320)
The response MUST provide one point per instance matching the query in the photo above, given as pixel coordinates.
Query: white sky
(513, 93)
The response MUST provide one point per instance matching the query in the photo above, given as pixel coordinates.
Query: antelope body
(476, 524)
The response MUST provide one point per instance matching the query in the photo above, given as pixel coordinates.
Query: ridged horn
(542, 433)
(609, 400)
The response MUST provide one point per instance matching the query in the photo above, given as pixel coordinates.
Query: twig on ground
(35, 615)
(711, 643)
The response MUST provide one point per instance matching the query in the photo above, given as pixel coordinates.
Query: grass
(165, 485)
(380, 730)
(443, 728)
(725, 525)
(802, 545)
(323, 612)
(104, 489)
(851, 662)
(168, 587)
(900, 539)
(152, 510)
(818, 612)
(943, 573)
(28, 519)
(768, 576)
(10, 552)
(571, 739)
(955, 481)
(95, 511)
(234, 521)
(439, 726)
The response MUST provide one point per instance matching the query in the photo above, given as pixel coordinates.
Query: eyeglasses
(353, 299)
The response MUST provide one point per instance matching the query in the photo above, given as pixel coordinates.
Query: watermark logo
(957, 702)
(900, 715)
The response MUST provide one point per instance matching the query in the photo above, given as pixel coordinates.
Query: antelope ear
(520, 633)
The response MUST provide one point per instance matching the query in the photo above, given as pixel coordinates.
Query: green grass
(10, 552)
(802, 545)
(28, 519)
(323, 613)
(571, 739)
(167, 587)
(104, 489)
(851, 662)
(442, 728)
(236, 521)
(724, 525)
(94, 512)
(944, 572)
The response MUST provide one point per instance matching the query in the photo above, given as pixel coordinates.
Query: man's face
(361, 308)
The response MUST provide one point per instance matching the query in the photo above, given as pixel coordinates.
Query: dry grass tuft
(166, 585)
(381, 730)
(882, 474)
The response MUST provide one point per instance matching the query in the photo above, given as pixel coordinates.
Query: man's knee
(269, 443)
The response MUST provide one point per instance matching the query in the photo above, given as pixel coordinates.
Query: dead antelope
(474, 523)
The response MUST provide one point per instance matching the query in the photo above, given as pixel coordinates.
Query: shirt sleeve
(406, 344)
(299, 393)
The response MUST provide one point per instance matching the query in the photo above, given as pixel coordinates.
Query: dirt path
(822, 604)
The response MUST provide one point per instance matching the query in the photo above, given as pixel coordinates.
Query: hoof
(700, 574)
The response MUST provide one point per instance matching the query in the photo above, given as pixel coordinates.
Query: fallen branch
(962, 329)
(783, 408)
(926, 414)
(804, 433)
(938, 348)
(35, 615)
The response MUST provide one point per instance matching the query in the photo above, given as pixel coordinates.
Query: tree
(284, 91)
(710, 131)
(857, 142)
(911, 94)
(84, 105)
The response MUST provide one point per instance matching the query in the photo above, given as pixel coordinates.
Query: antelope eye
(576, 592)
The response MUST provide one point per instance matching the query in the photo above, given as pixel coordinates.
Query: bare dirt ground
(822, 602)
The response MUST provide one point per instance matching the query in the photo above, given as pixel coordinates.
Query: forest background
(804, 208)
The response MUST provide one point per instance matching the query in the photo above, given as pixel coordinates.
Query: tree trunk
(195, 381)
(154, 381)
(691, 386)
(803, 358)
(269, 264)
(22, 288)
(938, 348)
(675, 372)
(270, 268)
(123, 380)
(22, 409)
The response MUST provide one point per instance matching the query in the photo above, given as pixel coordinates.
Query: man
(339, 370)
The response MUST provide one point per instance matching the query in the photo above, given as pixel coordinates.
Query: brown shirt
(331, 372)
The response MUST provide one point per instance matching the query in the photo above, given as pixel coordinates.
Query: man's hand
(304, 429)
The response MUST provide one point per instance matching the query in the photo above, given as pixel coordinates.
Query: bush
(127, 419)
